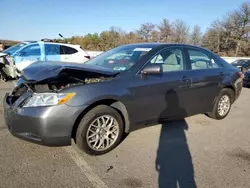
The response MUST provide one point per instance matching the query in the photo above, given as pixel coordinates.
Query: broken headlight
(48, 99)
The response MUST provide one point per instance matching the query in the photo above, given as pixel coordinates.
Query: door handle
(221, 74)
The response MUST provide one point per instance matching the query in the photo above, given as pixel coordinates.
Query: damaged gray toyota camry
(97, 102)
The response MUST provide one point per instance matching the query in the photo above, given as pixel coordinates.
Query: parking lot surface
(195, 152)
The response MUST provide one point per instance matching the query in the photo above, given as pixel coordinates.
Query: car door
(206, 78)
(162, 96)
(27, 56)
(52, 52)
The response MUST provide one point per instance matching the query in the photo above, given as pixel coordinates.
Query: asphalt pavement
(195, 152)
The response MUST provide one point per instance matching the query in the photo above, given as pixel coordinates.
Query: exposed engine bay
(66, 78)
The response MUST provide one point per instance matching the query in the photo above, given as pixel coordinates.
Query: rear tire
(222, 105)
(100, 130)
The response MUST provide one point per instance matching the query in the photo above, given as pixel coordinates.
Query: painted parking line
(94, 179)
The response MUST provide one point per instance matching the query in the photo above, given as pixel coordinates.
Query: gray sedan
(96, 103)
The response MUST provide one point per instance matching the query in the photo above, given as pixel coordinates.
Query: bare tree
(241, 20)
(218, 31)
(196, 36)
(146, 30)
(131, 37)
(165, 31)
(180, 32)
(212, 39)
(229, 35)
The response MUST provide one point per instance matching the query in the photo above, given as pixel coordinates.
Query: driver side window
(171, 60)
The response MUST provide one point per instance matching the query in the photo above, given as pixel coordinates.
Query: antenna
(65, 40)
(61, 36)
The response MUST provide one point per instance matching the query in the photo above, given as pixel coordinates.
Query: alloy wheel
(102, 133)
(224, 105)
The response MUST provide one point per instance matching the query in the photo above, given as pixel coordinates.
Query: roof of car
(243, 59)
(159, 44)
(27, 42)
(47, 42)
(156, 44)
(60, 43)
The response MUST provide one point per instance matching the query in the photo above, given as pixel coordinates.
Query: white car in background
(26, 53)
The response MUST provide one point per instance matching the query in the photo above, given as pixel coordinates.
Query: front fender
(121, 99)
(91, 93)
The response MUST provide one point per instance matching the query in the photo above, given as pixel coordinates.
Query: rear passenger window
(171, 60)
(200, 60)
(67, 50)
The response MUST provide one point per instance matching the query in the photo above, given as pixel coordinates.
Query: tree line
(228, 36)
(8, 42)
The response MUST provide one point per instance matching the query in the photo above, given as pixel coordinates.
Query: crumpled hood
(41, 70)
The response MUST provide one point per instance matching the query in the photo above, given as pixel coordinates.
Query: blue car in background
(14, 59)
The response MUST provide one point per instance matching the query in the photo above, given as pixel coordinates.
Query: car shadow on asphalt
(173, 161)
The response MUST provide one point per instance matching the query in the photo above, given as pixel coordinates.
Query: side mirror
(152, 69)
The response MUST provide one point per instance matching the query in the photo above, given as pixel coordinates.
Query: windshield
(120, 58)
(11, 50)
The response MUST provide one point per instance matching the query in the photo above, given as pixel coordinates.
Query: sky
(37, 19)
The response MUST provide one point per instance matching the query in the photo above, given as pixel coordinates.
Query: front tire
(222, 104)
(100, 130)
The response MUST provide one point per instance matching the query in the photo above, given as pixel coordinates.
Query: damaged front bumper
(50, 126)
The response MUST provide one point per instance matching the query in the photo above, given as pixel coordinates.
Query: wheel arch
(232, 88)
(226, 87)
(116, 104)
